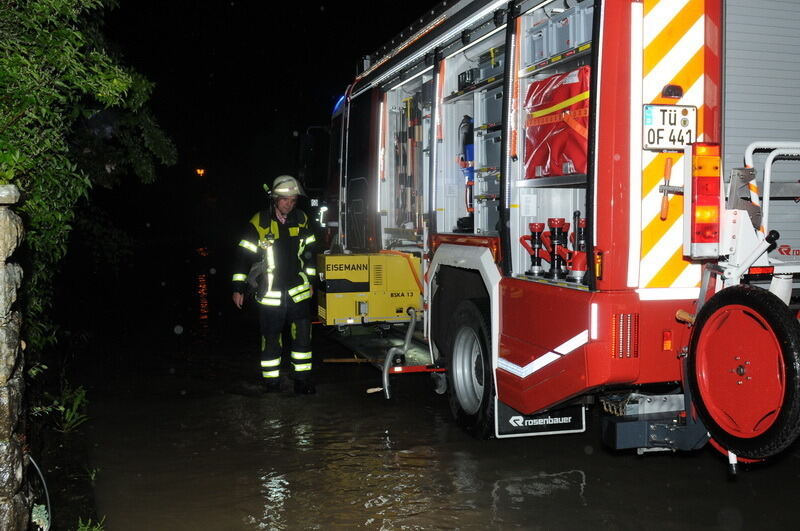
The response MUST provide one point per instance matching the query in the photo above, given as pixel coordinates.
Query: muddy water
(181, 451)
(181, 440)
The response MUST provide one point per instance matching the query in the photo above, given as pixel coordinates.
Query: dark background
(237, 85)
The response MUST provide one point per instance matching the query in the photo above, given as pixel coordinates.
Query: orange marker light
(706, 150)
(706, 214)
(666, 340)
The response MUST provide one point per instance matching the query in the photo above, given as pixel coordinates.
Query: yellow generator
(368, 288)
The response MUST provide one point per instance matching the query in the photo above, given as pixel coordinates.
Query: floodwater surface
(183, 452)
(182, 439)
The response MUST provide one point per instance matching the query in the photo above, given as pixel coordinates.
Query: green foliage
(40, 518)
(71, 406)
(67, 411)
(89, 525)
(55, 76)
(91, 474)
(36, 369)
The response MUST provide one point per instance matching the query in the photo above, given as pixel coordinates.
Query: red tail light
(706, 201)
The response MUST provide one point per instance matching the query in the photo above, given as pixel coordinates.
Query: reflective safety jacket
(276, 258)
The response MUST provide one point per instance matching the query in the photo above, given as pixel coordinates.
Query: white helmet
(286, 186)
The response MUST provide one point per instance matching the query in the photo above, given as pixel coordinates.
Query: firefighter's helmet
(285, 186)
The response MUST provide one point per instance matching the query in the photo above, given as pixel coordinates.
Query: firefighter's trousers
(273, 321)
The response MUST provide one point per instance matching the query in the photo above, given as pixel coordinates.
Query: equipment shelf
(560, 283)
(471, 89)
(555, 60)
(561, 181)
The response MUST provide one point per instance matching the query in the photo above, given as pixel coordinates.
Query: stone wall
(13, 502)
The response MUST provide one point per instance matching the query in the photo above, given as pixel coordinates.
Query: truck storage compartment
(468, 77)
(585, 22)
(564, 31)
(491, 105)
(539, 42)
(488, 155)
(491, 62)
(556, 127)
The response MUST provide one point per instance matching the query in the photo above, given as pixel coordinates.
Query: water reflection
(202, 298)
(303, 436)
(330, 474)
(201, 289)
(276, 492)
(519, 492)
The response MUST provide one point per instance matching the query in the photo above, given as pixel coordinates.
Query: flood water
(182, 440)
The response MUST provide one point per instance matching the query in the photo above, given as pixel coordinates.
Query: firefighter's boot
(272, 386)
(304, 387)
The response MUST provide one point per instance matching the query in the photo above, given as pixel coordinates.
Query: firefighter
(275, 262)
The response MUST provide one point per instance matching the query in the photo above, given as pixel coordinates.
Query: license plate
(669, 127)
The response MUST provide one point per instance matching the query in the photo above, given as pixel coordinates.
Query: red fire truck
(580, 202)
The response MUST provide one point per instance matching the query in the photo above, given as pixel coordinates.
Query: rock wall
(14, 509)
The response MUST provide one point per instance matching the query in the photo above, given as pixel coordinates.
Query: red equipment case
(556, 128)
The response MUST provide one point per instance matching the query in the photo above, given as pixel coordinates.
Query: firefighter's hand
(238, 299)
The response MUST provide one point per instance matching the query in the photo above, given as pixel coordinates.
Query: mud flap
(511, 423)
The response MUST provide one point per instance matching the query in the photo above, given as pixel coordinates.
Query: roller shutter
(761, 95)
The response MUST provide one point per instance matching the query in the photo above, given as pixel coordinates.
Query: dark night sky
(234, 80)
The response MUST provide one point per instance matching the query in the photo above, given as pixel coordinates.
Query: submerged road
(181, 439)
(184, 441)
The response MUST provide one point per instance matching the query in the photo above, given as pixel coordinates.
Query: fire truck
(551, 205)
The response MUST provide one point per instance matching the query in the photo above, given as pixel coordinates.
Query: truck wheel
(744, 371)
(469, 370)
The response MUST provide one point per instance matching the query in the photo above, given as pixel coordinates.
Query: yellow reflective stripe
(271, 298)
(271, 363)
(271, 374)
(301, 355)
(253, 248)
(302, 287)
(564, 104)
(303, 296)
(239, 277)
(299, 289)
(270, 259)
(310, 239)
(298, 367)
(311, 271)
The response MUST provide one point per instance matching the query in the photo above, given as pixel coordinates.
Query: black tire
(744, 371)
(470, 382)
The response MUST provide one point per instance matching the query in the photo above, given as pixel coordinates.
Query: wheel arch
(456, 273)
